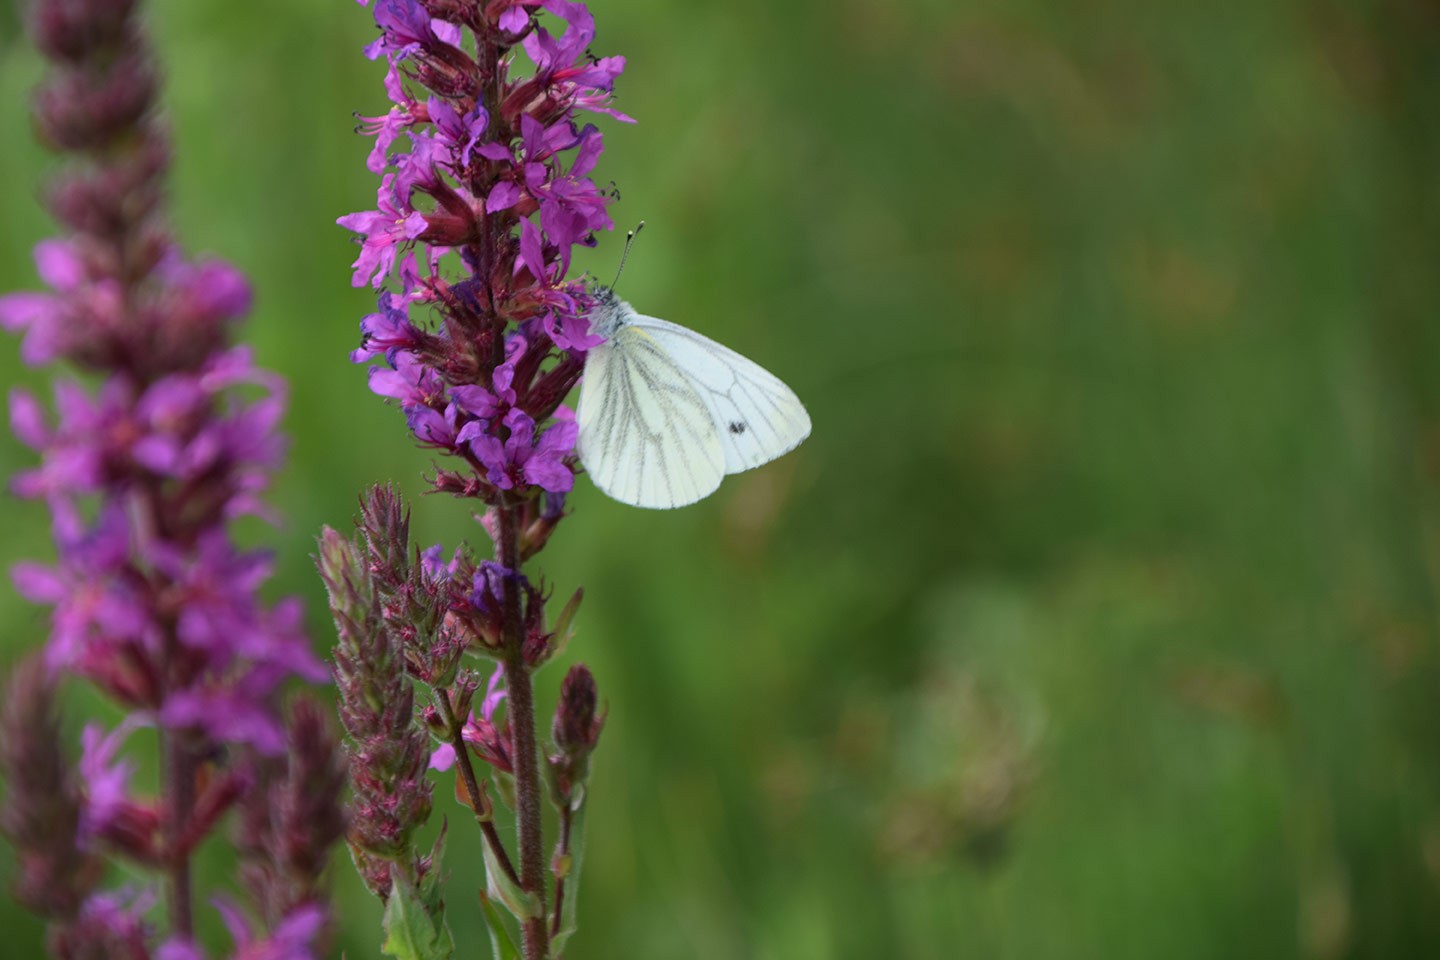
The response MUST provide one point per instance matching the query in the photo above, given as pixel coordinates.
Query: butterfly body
(666, 413)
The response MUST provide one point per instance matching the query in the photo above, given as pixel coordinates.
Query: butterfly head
(609, 312)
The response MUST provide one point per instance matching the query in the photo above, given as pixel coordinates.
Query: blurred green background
(1098, 618)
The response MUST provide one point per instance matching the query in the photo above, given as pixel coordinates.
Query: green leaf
(568, 910)
(524, 905)
(430, 893)
(415, 930)
(500, 940)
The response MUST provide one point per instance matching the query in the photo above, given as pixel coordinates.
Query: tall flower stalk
(482, 336)
(169, 434)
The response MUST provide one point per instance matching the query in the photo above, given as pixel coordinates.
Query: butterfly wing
(647, 436)
(756, 416)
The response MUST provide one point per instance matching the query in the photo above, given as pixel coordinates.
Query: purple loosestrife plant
(480, 336)
(169, 436)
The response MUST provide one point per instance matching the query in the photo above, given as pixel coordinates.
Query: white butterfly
(665, 413)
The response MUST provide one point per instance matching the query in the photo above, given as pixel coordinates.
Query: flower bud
(75, 29)
(575, 728)
(575, 731)
(85, 111)
(41, 812)
(385, 526)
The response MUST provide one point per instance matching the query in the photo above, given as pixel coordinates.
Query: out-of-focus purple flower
(100, 619)
(143, 472)
(106, 778)
(43, 807)
(110, 925)
(293, 938)
(179, 948)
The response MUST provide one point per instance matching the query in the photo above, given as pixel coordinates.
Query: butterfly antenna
(629, 239)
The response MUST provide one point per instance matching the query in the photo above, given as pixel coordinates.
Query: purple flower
(238, 711)
(149, 598)
(514, 15)
(520, 459)
(111, 925)
(432, 419)
(503, 196)
(434, 566)
(388, 128)
(462, 133)
(571, 331)
(563, 63)
(106, 778)
(386, 331)
(489, 740)
(503, 170)
(392, 224)
(532, 252)
(203, 294)
(420, 169)
(294, 937)
(490, 585)
(552, 54)
(179, 948)
(84, 440)
(410, 382)
(571, 207)
(405, 27)
(99, 614)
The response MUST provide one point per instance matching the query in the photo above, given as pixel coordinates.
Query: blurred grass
(1097, 618)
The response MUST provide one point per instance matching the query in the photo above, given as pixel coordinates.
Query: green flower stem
(479, 797)
(521, 707)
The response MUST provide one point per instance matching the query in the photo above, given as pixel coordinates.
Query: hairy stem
(479, 799)
(562, 851)
(522, 730)
(179, 800)
(521, 706)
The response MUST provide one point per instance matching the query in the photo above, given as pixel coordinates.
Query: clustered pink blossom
(497, 174)
(485, 160)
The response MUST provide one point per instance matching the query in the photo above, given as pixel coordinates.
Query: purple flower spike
(143, 469)
(479, 349)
